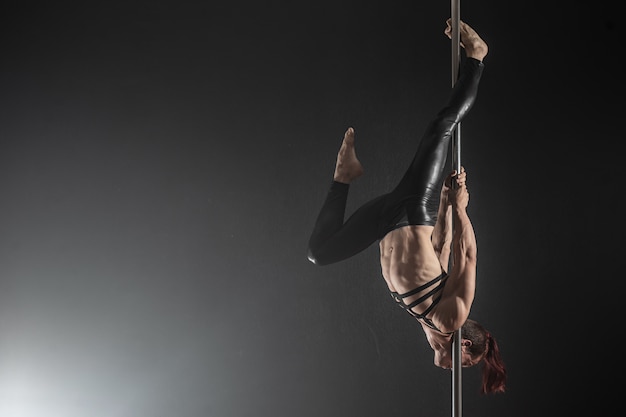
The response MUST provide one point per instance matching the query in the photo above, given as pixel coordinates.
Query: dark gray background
(162, 163)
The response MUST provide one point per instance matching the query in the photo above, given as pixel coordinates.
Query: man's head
(480, 346)
(474, 342)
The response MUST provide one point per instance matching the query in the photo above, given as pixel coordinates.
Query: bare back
(408, 260)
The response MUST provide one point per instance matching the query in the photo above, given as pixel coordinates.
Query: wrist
(459, 211)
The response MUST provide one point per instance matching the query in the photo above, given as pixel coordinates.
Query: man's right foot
(348, 168)
(474, 46)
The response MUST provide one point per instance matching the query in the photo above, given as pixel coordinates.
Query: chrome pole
(456, 161)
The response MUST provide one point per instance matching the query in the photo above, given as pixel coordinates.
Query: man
(413, 226)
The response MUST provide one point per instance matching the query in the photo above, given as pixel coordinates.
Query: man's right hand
(458, 195)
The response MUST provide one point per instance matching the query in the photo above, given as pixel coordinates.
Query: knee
(314, 258)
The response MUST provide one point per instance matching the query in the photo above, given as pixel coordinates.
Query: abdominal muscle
(408, 260)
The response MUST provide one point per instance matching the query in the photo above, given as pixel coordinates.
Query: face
(445, 361)
(466, 361)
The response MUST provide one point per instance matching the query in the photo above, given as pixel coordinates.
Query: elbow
(466, 249)
(472, 254)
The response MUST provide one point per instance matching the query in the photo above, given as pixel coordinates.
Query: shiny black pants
(413, 201)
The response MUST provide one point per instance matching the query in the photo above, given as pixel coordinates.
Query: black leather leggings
(414, 201)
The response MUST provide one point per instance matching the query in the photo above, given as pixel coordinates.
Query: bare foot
(474, 46)
(348, 167)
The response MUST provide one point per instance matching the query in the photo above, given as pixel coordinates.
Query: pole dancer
(413, 228)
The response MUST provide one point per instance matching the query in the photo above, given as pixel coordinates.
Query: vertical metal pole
(456, 60)
(456, 161)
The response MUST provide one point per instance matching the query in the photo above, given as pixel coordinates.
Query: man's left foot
(348, 168)
(473, 44)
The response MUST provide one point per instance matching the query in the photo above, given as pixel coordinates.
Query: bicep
(462, 281)
(458, 296)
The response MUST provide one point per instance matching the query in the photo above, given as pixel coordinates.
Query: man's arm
(464, 252)
(460, 287)
(442, 233)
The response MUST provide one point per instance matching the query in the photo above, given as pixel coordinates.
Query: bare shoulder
(456, 301)
(436, 340)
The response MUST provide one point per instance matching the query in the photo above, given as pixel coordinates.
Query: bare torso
(408, 260)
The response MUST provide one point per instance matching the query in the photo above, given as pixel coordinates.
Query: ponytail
(484, 346)
(493, 372)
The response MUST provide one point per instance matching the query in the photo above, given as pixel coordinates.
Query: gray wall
(162, 163)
